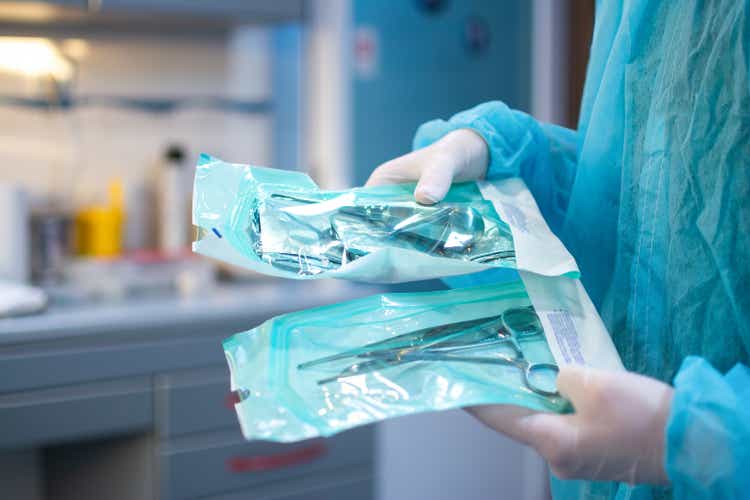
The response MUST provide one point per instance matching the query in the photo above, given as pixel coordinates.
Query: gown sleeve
(544, 155)
(708, 432)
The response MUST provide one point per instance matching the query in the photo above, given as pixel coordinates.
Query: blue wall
(425, 70)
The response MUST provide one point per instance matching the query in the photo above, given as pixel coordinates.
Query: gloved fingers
(506, 419)
(406, 168)
(586, 388)
(546, 432)
(556, 438)
(615, 434)
(460, 156)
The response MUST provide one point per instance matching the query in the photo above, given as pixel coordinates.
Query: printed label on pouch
(537, 249)
(562, 336)
(515, 217)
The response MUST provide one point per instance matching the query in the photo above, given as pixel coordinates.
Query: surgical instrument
(442, 344)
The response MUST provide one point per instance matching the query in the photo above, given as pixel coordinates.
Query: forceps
(450, 343)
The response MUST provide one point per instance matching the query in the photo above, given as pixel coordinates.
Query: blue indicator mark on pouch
(216, 232)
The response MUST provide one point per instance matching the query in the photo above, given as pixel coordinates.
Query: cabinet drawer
(358, 487)
(194, 401)
(215, 463)
(56, 415)
(355, 490)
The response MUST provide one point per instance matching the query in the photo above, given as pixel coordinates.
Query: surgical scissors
(442, 343)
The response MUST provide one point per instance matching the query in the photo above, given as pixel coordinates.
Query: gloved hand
(615, 434)
(459, 156)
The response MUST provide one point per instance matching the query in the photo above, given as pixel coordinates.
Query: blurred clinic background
(113, 383)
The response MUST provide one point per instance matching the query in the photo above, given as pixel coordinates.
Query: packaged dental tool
(322, 371)
(280, 223)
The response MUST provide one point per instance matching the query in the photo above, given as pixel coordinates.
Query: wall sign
(366, 52)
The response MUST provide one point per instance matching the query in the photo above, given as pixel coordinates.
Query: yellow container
(98, 229)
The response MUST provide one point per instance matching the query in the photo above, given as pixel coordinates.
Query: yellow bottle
(99, 228)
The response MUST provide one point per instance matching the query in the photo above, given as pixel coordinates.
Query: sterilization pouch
(321, 371)
(278, 222)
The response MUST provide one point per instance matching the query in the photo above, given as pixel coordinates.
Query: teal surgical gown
(651, 195)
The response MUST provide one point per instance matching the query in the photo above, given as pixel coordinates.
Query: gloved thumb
(434, 183)
(460, 156)
(407, 168)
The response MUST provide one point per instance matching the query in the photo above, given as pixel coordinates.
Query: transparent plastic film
(279, 223)
(308, 235)
(324, 370)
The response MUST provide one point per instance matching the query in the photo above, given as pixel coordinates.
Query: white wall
(79, 151)
(450, 455)
(327, 121)
(549, 92)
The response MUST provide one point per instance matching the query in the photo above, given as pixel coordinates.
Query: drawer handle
(261, 463)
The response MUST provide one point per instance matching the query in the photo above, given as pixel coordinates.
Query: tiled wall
(74, 153)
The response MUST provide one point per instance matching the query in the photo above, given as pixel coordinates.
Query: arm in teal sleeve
(543, 155)
(708, 432)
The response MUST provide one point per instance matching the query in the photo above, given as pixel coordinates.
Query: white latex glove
(459, 156)
(615, 434)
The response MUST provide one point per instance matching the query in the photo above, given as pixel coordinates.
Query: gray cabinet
(201, 452)
(132, 401)
(352, 485)
(193, 401)
(213, 463)
(86, 411)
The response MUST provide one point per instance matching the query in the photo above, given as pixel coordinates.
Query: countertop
(226, 304)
